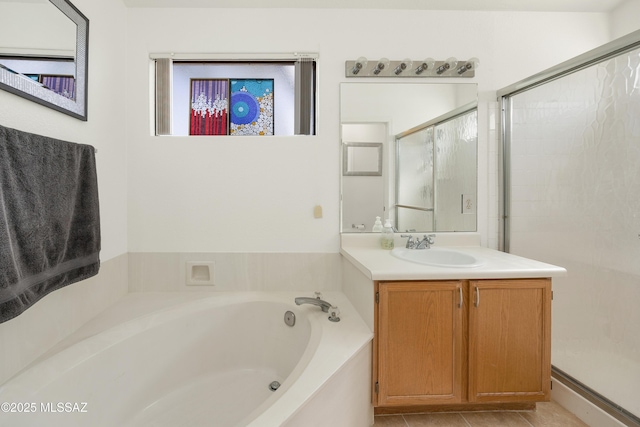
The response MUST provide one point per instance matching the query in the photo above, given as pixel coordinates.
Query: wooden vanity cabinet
(462, 342)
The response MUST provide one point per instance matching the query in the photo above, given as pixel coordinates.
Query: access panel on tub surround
(234, 271)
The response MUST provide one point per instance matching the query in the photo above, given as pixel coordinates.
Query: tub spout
(325, 306)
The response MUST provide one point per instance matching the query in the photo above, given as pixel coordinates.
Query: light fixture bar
(410, 68)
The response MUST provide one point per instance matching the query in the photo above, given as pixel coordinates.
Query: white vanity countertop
(363, 251)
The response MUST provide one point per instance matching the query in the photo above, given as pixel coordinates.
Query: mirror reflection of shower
(436, 173)
(375, 113)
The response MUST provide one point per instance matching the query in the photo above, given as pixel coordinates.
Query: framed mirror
(428, 179)
(44, 53)
(362, 159)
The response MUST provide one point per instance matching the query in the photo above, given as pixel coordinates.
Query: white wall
(624, 18)
(27, 336)
(252, 194)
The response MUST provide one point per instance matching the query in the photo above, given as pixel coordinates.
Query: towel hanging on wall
(49, 217)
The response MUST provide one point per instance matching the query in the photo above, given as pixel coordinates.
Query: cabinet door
(509, 340)
(419, 343)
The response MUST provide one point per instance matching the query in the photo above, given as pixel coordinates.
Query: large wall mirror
(44, 53)
(428, 177)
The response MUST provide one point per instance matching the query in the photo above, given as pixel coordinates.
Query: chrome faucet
(324, 305)
(425, 243)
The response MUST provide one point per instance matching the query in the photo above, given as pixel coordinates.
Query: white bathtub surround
(232, 271)
(161, 357)
(26, 337)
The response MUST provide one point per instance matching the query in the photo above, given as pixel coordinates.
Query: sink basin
(437, 257)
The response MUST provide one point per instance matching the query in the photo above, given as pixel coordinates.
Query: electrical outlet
(468, 204)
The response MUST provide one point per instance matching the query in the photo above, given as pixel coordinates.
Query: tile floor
(548, 414)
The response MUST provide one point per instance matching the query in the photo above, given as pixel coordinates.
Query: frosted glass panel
(415, 169)
(437, 176)
(456, 142)
(410, 220)
(575, 202)
(415, 181)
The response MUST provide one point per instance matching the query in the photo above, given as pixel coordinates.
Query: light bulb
(404, 65)
(427, 64)
(471, 64)
(448, 64)
(382, 64)
(359, 65)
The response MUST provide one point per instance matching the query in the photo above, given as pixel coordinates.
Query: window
(249, 97)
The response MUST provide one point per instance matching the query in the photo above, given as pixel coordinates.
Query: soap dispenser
(386, 239)
(377, 226)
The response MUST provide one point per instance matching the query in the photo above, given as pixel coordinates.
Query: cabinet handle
(477, 302)
(460, 303)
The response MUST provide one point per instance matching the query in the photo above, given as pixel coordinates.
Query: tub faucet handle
(334, 314)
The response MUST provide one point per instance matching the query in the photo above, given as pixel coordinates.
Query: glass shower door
(414, 181)
(573, 151)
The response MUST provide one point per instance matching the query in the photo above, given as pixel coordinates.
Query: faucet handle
(318, 295)
(334, 314)
(430, 238)
(410, 242)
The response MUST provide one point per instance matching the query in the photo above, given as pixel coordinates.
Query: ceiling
(488, 5)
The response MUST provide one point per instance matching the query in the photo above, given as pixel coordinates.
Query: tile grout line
(526, 420)
(465, 420)
(406, 423)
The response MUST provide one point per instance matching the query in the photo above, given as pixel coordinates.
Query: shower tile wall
(575, 159)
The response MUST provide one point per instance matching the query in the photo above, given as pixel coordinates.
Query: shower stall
(571, 197)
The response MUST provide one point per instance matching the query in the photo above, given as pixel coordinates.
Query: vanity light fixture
(406, 63)
(472, 63)
(359, 65)
(408, 68)
(427, 64)
(380, 66)
(448, 64)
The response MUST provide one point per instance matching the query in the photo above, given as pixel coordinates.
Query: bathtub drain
(274, 386)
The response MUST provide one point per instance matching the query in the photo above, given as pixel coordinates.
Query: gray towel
(49, 217)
